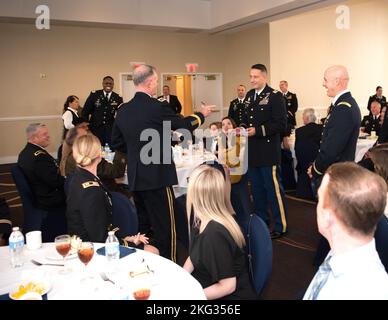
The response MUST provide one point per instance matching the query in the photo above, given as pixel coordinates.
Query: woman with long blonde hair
(217, 258)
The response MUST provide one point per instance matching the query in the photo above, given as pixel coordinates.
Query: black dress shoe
(276, 235)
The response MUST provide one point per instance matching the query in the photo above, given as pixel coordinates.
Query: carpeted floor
(293, 253)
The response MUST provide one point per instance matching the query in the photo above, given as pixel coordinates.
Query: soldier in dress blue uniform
(237, 106)
(266, 119)
(291, 104)
(101, 107)
(342, 124)
(41, 169)
(378, 97)
(151, 173)
(372, 122)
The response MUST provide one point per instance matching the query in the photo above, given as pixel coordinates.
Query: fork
(37, 263)
(105, 277)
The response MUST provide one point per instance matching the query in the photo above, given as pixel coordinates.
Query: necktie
(107, 97)
(320, 279)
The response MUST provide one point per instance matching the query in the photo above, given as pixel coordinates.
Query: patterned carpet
(293, 253)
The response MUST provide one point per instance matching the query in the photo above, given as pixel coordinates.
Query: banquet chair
(124, 215)
(259, 247)
(51, 222)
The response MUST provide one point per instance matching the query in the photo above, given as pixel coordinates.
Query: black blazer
(137, 115)
(311, 132)
(174, 103)
(89, 208)
(43, 176)
(101, 111)
(371, 124)
(292, 106)
(267, 114)
(340, 134)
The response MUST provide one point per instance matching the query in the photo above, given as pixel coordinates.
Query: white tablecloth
(169, 281)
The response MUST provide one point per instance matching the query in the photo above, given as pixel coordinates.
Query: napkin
(124, 251)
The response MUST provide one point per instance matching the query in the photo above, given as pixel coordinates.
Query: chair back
(32, 215)
(124, 215)
(51, 222)
(259, 247)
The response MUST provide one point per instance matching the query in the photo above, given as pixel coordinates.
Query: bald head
(145, 79)
(336, 79)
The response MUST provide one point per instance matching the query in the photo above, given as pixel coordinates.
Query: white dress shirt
(355, 275)
(68, 118)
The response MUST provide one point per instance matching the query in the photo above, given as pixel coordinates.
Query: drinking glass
(63, 246)
(85, 254)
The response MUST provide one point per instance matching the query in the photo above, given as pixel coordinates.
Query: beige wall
(242, 50)
(303, 46)
(74, 60)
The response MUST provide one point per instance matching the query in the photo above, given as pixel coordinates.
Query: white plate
(45, 285)
(54, 255)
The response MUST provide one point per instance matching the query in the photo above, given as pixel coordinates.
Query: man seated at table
(371, 122)
(41, 169)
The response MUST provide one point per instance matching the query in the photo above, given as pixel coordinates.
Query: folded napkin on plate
(124, 251)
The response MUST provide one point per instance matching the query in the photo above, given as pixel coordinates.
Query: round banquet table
(168, 280)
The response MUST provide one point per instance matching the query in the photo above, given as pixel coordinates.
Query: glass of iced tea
(63, 246)
(85, 253)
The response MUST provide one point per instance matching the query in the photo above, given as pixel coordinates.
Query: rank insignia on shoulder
(344, 103)
(161, 99)
(90, 184)
(37, 153)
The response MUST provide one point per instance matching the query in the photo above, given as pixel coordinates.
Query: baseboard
(14, 159)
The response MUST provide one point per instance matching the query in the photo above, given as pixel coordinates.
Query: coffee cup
(34, 240)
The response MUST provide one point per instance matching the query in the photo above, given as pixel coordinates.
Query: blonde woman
(89, 207)
(217, 258)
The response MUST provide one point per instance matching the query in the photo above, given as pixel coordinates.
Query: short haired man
(351, 202)
(172, 100)
(371, 122)
(151, 182)
(41, 169)
(101, 106)
(291, 104)
(237, 106)
(266, 118)
(342, 124)
(377, 97)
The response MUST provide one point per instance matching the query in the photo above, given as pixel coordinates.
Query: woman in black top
(217, 258)
(89, 206)
(70, 115)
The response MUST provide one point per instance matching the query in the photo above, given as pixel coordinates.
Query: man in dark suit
(311, 131)
(291, 104)
(371, 122)
(342, 125)
(172, 100)
(307, 142)
(41, 169)
(142, 129)
(266, 118)
(237, 106)
(377, 97)
(101, 107)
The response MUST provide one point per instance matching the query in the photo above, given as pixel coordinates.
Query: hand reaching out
(137, 239)
(206, 110)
